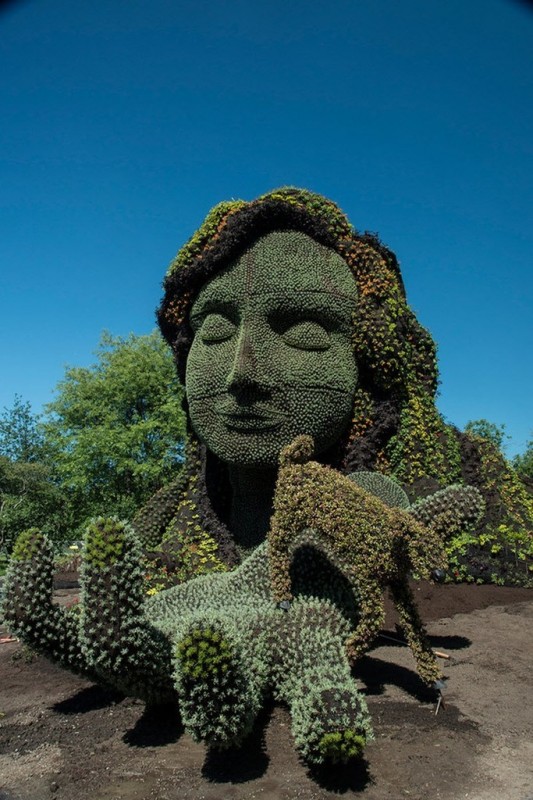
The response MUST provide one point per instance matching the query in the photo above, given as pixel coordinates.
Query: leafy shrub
(501, 556)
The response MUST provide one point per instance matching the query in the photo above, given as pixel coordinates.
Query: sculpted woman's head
(284, 320)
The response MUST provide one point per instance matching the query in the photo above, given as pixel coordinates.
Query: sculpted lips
(249, 418)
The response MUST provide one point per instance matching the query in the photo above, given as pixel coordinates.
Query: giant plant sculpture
(283, 321)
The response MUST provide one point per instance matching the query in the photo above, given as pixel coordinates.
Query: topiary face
(272, 356)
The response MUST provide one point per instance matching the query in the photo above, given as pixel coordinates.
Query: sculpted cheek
(207, 368)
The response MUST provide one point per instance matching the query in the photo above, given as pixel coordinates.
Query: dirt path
(61, 737)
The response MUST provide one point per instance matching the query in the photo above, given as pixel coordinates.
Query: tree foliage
(488, 430)
(21, 438)
(30, 497)
(116, 428)
(29, 493)
(523, 463)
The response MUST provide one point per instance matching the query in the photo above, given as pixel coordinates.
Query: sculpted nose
(243, 373)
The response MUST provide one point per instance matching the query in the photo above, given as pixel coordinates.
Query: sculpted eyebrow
(208, 305)
(334, 308)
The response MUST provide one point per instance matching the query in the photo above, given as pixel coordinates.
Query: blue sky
(123, 122)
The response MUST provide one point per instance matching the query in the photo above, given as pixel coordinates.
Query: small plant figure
(376, 546)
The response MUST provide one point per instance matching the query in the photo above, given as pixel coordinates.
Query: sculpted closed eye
(307, 335)
(216, 328)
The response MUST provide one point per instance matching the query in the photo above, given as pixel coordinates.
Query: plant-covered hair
(395, 426)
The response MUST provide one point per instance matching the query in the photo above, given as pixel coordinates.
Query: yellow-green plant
(374, 544)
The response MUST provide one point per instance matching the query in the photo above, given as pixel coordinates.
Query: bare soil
(63, 737)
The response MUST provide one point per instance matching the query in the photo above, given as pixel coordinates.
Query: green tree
(523, 463)
(488, 430)
(29, 493)
(116, 429)
(29, 496)
(21, 438)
